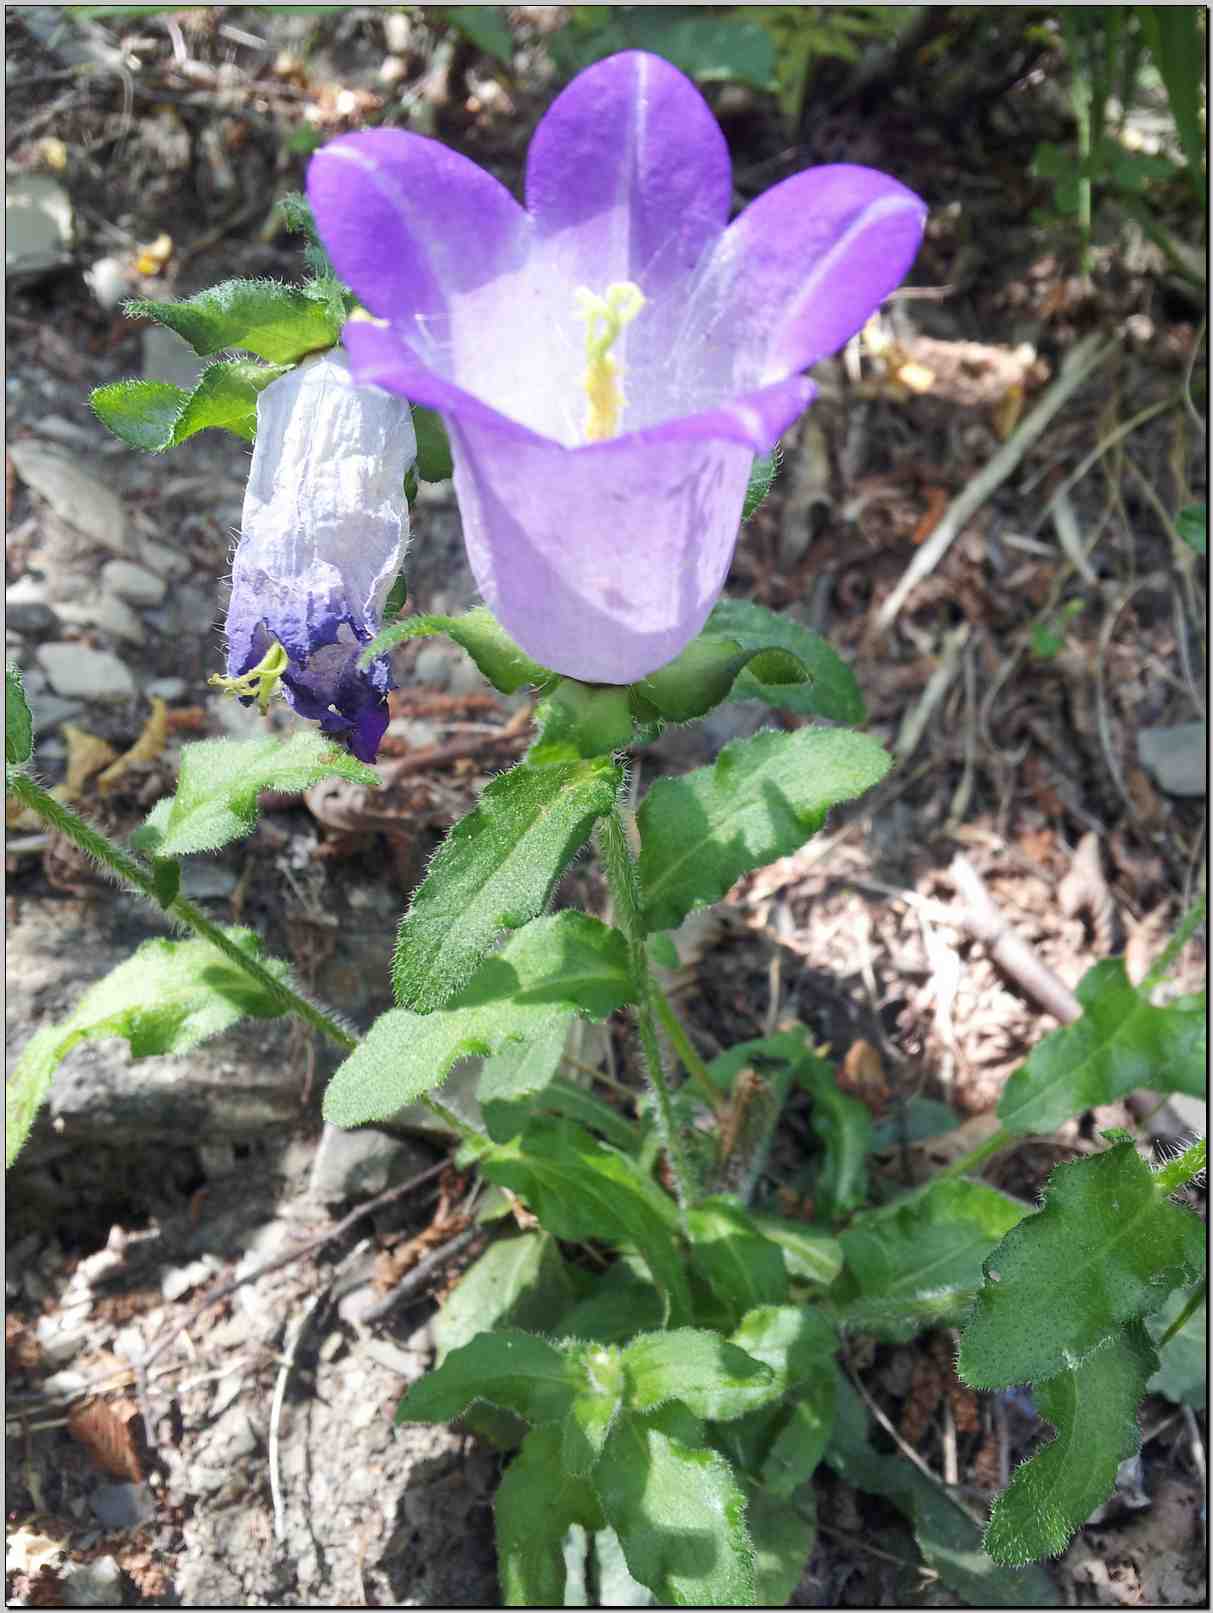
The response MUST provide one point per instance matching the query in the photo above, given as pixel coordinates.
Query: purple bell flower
(609, 358)
(323, 535)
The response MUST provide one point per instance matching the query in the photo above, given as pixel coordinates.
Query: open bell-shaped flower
(609, 358)
(323, 536)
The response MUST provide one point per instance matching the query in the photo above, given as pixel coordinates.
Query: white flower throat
(605, 317)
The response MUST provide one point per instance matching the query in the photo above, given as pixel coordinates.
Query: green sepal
(496, 655)
(580, 720)
(830, 688)
(166, 876)
(434, 463)
(702, 675)
(762, 478)
(278, 323)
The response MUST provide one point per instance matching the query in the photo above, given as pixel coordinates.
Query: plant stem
(1187, 927)
(130, 871)
(685, 1049)
(1182, 1170)
(1195, 1300)
(966, 1162)
(625, 904)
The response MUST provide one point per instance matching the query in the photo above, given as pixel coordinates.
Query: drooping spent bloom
(323, 535)
(610, 357)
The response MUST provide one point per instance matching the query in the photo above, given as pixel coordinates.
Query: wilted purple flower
(601, 471)
(323, 534)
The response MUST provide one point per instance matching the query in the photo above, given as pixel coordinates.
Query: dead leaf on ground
(109, 1432)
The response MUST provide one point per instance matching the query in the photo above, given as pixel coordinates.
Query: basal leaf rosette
(609, 358)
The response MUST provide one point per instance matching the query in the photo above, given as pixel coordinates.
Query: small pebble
(134, 583)
(75, 669)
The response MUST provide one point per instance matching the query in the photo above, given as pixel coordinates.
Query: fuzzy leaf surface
(919, 1264)
(700, 677)
(830, 689)
(1121, 1042)
(517, 1282)
(711, 1377)
(496, 655)
(763, 798)
(277, 322)
(18, 723)
(535, 1506)
(741, 1266)
(678, 1510)
(1105, 1248)
(581, 1189)
(495, 871)
(592, 1414)
(220, 780)
(783, 1538)
(510, 1369)
(809, 1256)
(1093, 1408)
(166, 998)
(555, 967)
(154, 416)
(844, 1127)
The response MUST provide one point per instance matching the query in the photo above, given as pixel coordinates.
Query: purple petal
(323, 535)
(603, 562)
(803, 268)
(628, 175)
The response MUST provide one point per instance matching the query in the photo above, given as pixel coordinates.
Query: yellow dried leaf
(86, 754)
(147, 748)
(916, 376)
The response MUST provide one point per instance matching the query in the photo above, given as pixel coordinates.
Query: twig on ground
(288, 1361)
(914, 724)
(1079, 364)
(1198, 1450)
(982, 920)
(421, 1272)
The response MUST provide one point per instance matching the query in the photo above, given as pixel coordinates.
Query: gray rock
(75, 495)
(37, 225)
(49, 711)
(98, 1583)
(166, 688)
(168, 357)
(135, 583)
(433, 666)
(207, 881)
(107, 612)
(76, 670)
(1177, 757)
(179, 1280)
(163, 558)
(359, 1164)
(122, 1506)
(25, 606)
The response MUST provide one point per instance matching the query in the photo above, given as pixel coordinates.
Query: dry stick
(906, 1449)
(1079, 364)
(415, 1279)
(983, 921)
(276, 1405)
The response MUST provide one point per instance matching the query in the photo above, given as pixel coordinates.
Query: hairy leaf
(535, 1507)
(678, 1510)
(1183, 1360)
(702, 675)
(623, 1301)
(782, 1535)
(553, 968)
(512, 1370)
(711, 1377)
(844, 1126)
(166, 998)
(1122, 1041)
(496, 655)
(279, 323)
(517, 1282)
(918, 1264)
(220, 780)
(18, 724)
(830, 690)
(809, 1256)
(592, 1415)
(1106, 1248)
(495, 871)
(1093, 1408)
(798, 1343)
(579, 1188)
(741, 1266)
(154, 416)
(763, 799)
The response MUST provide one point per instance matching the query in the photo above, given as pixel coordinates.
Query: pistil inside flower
(260, 681)
(605, 317)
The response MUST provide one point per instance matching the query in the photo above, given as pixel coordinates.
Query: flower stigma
(605, 317)
(259, 682)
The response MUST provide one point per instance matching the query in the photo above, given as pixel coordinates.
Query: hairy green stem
(625, 902)
(130, 871)
(685, 1049)
(1187, 927)
(1182, 1170)
(1195, 1300)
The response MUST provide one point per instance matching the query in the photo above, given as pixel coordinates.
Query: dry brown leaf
(862, 1075)
(109, 1432)
(146, 749)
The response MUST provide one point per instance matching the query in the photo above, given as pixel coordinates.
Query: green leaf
(506, 1120)
(553, 968)
(1121, 1042)
(1183, 1360)
(166, 998)
(220, 780)
(279, 323)
(678, 1510)
(763, 799)
(511, 1370)
(592, 1415)
(830, 689)
(949, 1540)
(740, 1265)
(580, 719)
(711, 1377)
(496, 655)
(918, 1263)
(512, 1079)
(18, 724)
(486, 27)
(434, 463)
(798, 1343)
(517, 1282)
(616, 1587)
(708, 49)
(581, 1189)
(762, 478)
(1105, 1249)
(623, 1300)
(844, 1126)
(154, 416)
(702, 675)
(809, 1256)
(535, 1507)
(1093, 1407)
(1173, 34)
(1192, 524)
(783, 1537)
(496, 870)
